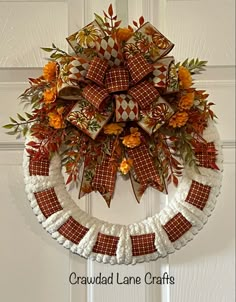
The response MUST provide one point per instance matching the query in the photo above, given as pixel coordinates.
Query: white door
(33, 267)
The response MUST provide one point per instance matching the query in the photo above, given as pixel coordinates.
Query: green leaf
(21, 118)
(47, 49)
(13, 121)
(99, 20)
(8, 126)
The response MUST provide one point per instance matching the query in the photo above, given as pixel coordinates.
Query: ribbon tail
(138, 189)
(104, 180)
(145, 169)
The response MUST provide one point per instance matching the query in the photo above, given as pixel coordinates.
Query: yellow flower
(113, 128)
(87, 36)
(179, 119)
(49, 71)
(132, 140)
(49, 96)
(56, 119)
(186, 101)
(123, 34)
(126, 165)
(184, 77)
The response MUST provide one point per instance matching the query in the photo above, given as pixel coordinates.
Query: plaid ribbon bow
(133, 80)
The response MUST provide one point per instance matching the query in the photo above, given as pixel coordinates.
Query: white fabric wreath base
(154, 237)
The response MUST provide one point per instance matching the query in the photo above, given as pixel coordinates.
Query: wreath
(119, 104)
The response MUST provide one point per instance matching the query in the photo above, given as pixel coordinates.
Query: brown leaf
(141, 20)
(110, 10)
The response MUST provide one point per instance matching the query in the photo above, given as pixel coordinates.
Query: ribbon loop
(117, 79)
(96, 95)
(138, 68)
(73, 70)
(108, 49)
(97, 71)
(126, 108)
(144, 93)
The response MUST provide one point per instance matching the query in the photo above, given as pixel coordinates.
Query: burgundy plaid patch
(117, 79)
(39, 167)
(177, 227)
(143, 244)
(95, 95)
(138, 67)
(73, 231)
(104, 179)
(198, 195)
(144, 167)
(48, 202)
(97, 71)
(106, 245)
(144, 93)
(206, 155)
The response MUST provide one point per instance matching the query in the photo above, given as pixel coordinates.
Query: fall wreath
(119, 104)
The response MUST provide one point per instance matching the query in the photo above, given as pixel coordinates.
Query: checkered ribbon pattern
(48, 202)
(145, 169)
(73, 230)
(176, 227)
(139, 68)
(104, 180)
(106, 245)
(109, 49)
(206, 155)
(143, 244)
(126, 108)
(198, 195)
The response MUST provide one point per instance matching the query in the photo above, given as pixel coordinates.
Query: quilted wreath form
(154, 237)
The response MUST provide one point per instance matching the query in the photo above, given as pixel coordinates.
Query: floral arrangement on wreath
(119, 104)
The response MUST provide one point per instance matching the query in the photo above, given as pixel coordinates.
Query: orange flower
(56, 119)
(179, 119)
(186, 101)
(49, 95)
(113, 128)
(123, 34)
(184, 77)
(132, 140)
(49, 71)
(126, 165)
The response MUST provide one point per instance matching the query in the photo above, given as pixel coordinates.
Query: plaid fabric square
(143, 244)
(177, 227)
(126, 108)
(206, 155)
(117, 79)
(198, 195)
(39, 167)
(106, 245)
(104, 179)
(95, 95)
(144, 167)
(97, 71)
(108, 49)
(73, 231)
(138, 68)
(144, 93)
(48, 202)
